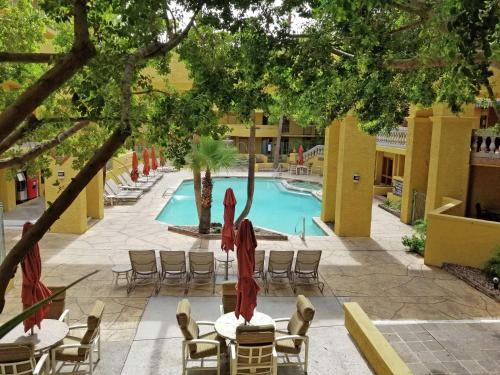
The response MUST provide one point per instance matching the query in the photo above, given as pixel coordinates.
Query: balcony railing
(317, 150)
(396, 138)
(485, 144)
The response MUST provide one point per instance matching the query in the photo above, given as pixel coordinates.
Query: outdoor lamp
(496, 281)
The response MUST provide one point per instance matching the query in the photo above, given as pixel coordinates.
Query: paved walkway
(464, 347)
(376, 272)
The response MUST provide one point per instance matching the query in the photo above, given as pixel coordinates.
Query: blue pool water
(273, 206)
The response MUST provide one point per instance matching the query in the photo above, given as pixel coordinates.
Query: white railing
(317, 150)
(485, 144)
(396, 138)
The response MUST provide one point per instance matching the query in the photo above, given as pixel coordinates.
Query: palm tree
(210, 155)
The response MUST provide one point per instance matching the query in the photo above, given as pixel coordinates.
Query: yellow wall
(418, 146)
(263, 131)
(353, 207)
(330, 171)
(459, 240)
(484, 188)
(74, 219)
(94, 196)
(7, 191)
(449, 155)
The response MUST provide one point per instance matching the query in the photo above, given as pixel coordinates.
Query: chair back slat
(143, 261)
(173, 261)
(113, 186)
(17, 359)
(229, 296)
(58, 305)
(93, 326)
(307, 260)
(260, 256)
(202, 262)
(255, 346)
(280, 260)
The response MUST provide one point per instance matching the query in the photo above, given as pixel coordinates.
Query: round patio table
(52, 333)
(226, 325)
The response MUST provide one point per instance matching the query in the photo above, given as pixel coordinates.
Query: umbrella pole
(227, 265)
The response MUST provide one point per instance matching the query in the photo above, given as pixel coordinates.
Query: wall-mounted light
(356, 178)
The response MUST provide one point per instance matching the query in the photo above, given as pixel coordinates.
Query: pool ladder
(303, 232)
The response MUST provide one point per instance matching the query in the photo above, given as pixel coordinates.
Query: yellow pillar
(330, 171)
(450, 155)
(74, 219)
(95, 199)
(7, 191)
(418, 146)
(379, 161)
(356, 168)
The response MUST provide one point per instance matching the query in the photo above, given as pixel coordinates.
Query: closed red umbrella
(247, 287)
(227, 234)
(154, 163)
(134, 174)
(301, 155)
(33, 290)
(162, 157)
(145, 156)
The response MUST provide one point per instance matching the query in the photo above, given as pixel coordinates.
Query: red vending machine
(32, 187)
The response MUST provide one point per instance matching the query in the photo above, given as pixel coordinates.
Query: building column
(418, 146)
(74, 219)
(7, 191)
(355, 175)
(331, 156)
(450, 155)
(95, 196)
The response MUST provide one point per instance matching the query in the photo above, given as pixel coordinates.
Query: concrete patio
(376, 272)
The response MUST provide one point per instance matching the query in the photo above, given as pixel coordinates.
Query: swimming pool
(273, 206)
(305, 184)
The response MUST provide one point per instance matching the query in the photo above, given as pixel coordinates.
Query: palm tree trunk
(251, 175)
(206, 203)
(276, 156)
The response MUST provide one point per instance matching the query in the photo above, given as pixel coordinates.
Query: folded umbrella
(134, 174)
(301, 155)
(227, 234)
(145, 156)
(154, 162)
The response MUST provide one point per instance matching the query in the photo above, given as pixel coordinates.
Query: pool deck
(376, 272)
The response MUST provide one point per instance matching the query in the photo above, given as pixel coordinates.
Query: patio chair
(126, 177)
(20, 359)
(151, 177)
(279, 267)
(201, 269)
(289, 341)
(112, 197)
(57, 308)
(260, 271)
(228, 297)
(198, 347)
(306, 269)
(173, 267)
(144, 269)
(117, 191)
(254, 352)
(132, 186)
(78, 349)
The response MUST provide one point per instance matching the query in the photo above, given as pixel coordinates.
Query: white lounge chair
(129, 181)
(120, 192)
(113, 198)
(155, 177)
(137, 186)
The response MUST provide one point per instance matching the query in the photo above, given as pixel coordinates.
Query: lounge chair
(20, 359)
(196, 347)
(115, 189)
(306, 269)
(260, 271)
(151, 177)
(254, 352)
(57, 308)
(280, 267)
(228, 297)
(201, 269)
(132, 186)
(79, 349)
(144, 269)
(129, 181)
(173, 267)
(289, 341)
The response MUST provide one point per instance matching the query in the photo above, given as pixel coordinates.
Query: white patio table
(226, 325)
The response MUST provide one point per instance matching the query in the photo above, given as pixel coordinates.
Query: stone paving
(376, 272)
(447, 348)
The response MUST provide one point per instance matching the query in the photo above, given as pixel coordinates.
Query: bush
(394, 205)
(416, 242)
(492, 267)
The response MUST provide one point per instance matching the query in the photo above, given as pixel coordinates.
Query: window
(265, 120)
(286, 125)
(387, 171)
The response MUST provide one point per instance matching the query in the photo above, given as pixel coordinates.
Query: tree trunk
(206, 203)
(276, 157)
(55, 210)
(197, 182)
(251, 175)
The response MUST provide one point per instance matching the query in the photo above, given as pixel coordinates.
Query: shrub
(416, 242)
(492, 267)
(394, 205)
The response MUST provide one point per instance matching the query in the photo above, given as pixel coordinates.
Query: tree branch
(149, 92)
(409, 26)
(22, 57)
(30, 124)
(414, 7)
(16, 161)
(55, 77)
(341, 53)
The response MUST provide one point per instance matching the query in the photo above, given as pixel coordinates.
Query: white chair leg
(91, 362)
(306, 354)
(53, 361)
